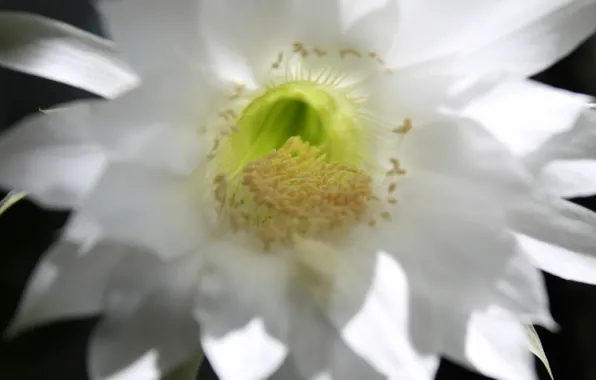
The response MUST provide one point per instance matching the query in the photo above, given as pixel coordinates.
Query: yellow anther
(404, 128)
(319, 52)
(386, 215)
(299, 48)
(279, 60)
(294, 190)
(345, 52)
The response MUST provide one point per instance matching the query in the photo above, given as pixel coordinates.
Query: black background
(57, 351)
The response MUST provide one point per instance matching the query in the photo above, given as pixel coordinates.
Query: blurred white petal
(559, 236)
(52, 156)
(54, 50)
(133, 329)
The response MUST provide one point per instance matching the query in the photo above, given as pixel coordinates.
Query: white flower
(311, 192)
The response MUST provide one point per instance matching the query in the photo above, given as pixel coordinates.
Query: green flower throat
(320, 116)
(293, 164)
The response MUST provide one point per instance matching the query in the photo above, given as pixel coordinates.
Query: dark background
(57, 351)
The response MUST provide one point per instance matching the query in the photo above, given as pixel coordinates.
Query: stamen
(345, 52)
(294, 191)
(404, 128)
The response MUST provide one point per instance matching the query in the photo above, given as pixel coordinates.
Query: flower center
(295, 190)
(294, 163)
(318, 113)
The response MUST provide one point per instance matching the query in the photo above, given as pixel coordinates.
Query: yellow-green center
(319, 115)
(293, 165)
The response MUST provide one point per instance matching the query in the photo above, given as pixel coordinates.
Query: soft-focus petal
(565, 164)
(157, 123)
(414, 92)
(497, 345)
(527, 47)
(442, 269)
(520, 39)
(242, 310)
(522, 290)
(247, 353)
(523, 115)
(491, 341)
(348, 282)
(561, 237)
(569, 178)
(560, 261)
(54, 50)
(132, 336)
(54, 290)
(146, 206)
(317, 22)
(242, 36)
(439, 28)
(169, 30)
(52, 156)
(369, 26)
(316, 348)
(461, 150)
(349, 24)
(379, 331)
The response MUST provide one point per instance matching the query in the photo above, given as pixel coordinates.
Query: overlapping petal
(146, 206)
(130, 340)
(170, 29)
(518, 39)
(54, 50)
(52, 156)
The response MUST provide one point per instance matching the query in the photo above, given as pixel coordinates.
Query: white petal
(248, 353)
(144, 206)
(369, 26)
(345, 24)
(561, 262)
(54, 290)
(453, 245)
(54, 50)
(241, 37)
(415, 92)
(316, 22)
(148, 323)
(523, 115)
(379, 331)
(439, 29)
(563, 163)
(522, 290)
(560, 237)
(316, 348)
(521, 39)
(529, 43)
(497, 346)
(158, 123)
(461, 150)
(242, 310)
(350, 288)
(166, 33)
(569, 178)
(52, 156)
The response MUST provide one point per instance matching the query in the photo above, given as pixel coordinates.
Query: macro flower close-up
(329, 189)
